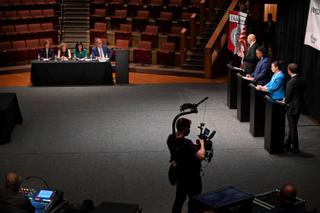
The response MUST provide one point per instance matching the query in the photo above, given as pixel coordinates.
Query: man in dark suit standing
(268, 32)
(261, 74)
(101, 50)
(250, 59)
(294, 101)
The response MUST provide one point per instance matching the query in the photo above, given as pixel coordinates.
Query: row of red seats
(24, 2)
(175, 6)
(22, 28)
(12, 14)
(143, 17)
(27, 31)
(21, 50)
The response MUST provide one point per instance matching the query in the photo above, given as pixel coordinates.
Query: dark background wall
(289, 38)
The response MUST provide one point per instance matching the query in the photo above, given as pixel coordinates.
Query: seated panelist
(79, 51)
(100, 50)
(63, 52)
(46, 52)
(275, 87)
(261, 72)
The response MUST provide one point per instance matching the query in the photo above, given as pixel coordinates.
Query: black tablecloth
(52, 73)
(9, 115)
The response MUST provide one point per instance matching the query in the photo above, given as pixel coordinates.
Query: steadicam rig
(189, 108)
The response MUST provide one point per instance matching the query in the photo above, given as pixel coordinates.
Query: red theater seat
(7, 29)
(174, 36)
(120, 16)
(35, 27)
(124, 33)
(11, 14)
(122, 44)
(36, 13)
(21, 52)
(184, 21)
(175, 7)
(24, 13)
(47, 26)
(151, 34)
(142, 54)
(48, 12)
(164, 21)
(20, 28)
(133, 6)
(154, 7)
(141, 20)
(114, 5)
(100, 30)
(33, 43)
(166, 54)
(5, 45)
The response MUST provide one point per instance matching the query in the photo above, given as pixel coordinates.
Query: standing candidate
(294, 101)
(101, 50)
(275, 87)
(250, 59)
(261, 72)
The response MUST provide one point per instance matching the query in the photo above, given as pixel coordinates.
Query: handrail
(217, 41)
(183, 45)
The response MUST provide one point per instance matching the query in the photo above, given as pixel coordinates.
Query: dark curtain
(289, 46)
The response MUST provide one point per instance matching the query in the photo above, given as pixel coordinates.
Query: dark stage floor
(109, 144)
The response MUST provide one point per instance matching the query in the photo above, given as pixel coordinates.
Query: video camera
(208, 144)
(189, 108)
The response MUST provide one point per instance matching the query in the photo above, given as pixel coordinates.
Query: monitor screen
(45, 194)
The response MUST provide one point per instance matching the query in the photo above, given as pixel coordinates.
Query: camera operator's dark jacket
(183, 152)
(14, 202)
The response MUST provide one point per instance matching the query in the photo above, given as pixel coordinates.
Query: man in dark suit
(250, 59)
(11, 200)
(261, 74)
(46, 52)
(268, 32)
(294, 101)
(101, 50)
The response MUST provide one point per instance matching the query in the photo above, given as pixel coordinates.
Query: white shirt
(101, 52)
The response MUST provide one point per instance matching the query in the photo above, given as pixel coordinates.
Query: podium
(257, 110)
(232, 88)
(122, 66)
(274, 129)
(243, 99)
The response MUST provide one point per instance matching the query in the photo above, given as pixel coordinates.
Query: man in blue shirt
(275, 87)
(261, 72)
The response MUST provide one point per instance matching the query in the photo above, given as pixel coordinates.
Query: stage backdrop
(290, 47)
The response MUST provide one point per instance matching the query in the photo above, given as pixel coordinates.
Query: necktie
(47, 51)
(101, 53)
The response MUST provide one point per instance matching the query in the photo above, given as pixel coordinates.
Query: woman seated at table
(63, 52)
(275, 87)
(46, 53)
(79, 51)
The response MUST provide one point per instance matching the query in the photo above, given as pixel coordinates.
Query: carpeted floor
(109, 144)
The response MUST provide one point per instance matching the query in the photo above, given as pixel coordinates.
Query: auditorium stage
(109, 144)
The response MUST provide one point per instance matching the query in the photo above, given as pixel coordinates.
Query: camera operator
(11, 200)
(186, 157)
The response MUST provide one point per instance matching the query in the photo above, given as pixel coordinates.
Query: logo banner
(312, 37)
(237, 32)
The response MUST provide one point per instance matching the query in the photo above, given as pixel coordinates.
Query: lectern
(243, 99)
(122, 66)
(232, 87)
(274, 130)
(257, 110)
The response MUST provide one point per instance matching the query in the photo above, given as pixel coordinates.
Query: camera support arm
(193, 108)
